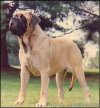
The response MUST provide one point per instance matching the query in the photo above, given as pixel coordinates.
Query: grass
(10, 84)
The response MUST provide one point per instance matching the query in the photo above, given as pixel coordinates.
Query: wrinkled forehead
(27, 14)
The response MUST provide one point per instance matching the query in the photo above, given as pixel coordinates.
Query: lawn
(10, 88)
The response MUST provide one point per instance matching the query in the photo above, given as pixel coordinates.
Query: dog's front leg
(44, 89)
(24, 76)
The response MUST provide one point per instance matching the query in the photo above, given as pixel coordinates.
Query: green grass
(10, 85)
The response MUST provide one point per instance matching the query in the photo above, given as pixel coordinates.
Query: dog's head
(22, 21)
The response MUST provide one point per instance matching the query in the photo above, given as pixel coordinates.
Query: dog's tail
(72, 82)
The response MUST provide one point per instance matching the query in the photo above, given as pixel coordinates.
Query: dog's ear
(34, 20)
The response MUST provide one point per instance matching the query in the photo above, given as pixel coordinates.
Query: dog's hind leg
(81, 79)
(60, 81)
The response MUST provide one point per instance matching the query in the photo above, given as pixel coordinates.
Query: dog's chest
(30, 61)
(33, 61)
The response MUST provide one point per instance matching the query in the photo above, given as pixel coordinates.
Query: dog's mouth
(18, 26)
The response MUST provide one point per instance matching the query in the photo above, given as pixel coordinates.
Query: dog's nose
(12, 24)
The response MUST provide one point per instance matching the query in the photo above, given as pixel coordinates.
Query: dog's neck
(29, 40)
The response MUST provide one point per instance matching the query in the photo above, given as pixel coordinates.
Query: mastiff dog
(44, 56)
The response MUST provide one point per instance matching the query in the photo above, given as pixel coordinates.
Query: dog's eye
(21, 16)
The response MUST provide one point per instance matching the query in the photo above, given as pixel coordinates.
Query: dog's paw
(40, 105)
(87, 102)
(61, 100)
(20, 100)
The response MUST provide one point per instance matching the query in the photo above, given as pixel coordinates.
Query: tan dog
(45, 56)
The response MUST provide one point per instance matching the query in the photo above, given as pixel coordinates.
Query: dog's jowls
(45, 56)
